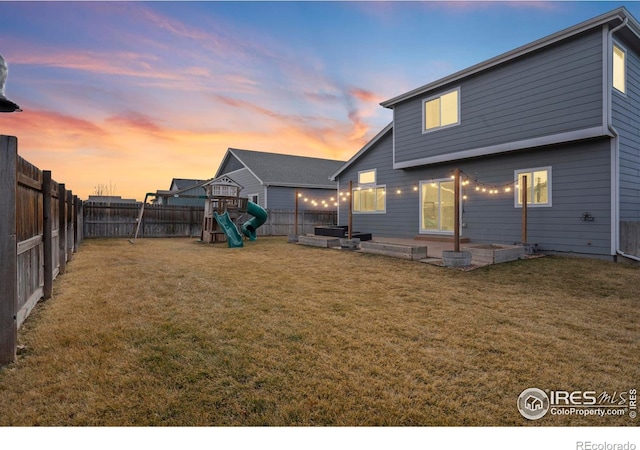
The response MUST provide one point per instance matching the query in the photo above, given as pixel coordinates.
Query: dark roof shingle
(288, 170)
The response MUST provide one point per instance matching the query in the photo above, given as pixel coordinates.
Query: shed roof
(276, 169)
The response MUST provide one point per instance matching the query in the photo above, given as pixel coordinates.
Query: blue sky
(133, 94)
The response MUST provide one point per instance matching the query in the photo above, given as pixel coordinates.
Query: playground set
(224, 209)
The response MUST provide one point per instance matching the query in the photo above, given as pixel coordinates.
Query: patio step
(319, 241)
(404, 251)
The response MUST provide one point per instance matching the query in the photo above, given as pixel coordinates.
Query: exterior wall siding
(580, 183)
(180, 201)
(555, 90)
(250, 185)
(283, 198)
(626, 120)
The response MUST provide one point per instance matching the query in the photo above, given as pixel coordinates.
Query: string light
(465, 180)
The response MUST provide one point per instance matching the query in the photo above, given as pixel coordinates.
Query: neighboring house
(183, 192)
(272, 179)
(108, 199)
(563, 110)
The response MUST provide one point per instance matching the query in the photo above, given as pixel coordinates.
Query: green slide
(234, 238)
(259, 217)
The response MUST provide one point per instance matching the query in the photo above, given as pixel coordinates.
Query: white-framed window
(619, 68)
(437, 206)
(253, 198)
(367, 177)
(369, 199)
(441, 111)
(538, 187)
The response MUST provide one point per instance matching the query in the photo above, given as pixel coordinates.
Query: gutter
(615, 163)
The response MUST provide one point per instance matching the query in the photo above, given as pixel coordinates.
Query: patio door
(437, 206)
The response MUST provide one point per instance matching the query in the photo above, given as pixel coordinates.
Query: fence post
(69, 221)
(8, 250)
(62, 228)
(79, 223)
(47, 239)
(75, 224)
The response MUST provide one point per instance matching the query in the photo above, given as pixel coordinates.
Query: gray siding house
(564, 111)
(183, 192)
(271, 179)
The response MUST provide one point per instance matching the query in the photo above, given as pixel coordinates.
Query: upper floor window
(367, 177)
(442, 111)
(538, 186)
(619, 69)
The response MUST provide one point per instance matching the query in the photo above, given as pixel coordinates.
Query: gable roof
(363, 150)
(276, 169)
(614, 18)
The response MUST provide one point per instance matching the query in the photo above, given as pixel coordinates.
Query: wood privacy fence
(40, 223)
(630, 238)
(109, 219)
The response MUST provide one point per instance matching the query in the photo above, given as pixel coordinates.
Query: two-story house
(562, 111)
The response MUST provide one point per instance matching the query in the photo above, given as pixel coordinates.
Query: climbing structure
(223, 212)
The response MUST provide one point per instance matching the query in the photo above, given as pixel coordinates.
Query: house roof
(275, 169)
(614, 18)
(362, 151)
(184, 183)
(180, 186)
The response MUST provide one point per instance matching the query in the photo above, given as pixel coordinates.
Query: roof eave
(619, 13)
(362, 151)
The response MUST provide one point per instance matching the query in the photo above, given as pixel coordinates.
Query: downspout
(615, 169)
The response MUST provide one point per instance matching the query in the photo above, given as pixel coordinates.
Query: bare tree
(104, 189)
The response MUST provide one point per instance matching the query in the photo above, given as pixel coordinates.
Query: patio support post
(295, 220)
(524, 190)
(349, 229)
(456, 225)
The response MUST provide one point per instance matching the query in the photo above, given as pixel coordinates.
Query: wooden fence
(108, 219)
(282, 222)
(630, 238)
(40, 223)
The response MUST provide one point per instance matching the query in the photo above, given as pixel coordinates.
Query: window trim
(426, 130)
(624, 67)
(367, 187)
(516, 191)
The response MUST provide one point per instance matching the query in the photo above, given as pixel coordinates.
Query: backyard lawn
(174, 332)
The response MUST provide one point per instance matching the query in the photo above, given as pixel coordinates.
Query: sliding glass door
(437, 206)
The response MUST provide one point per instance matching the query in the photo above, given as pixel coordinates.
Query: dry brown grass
(173, 332)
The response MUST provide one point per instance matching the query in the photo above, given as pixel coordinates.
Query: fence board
(30, 247)
(630, 238)
(8, 249)
(107, 219)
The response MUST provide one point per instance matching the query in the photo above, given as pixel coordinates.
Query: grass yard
(174, 332)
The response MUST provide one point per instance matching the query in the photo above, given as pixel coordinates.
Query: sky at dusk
(134, 94)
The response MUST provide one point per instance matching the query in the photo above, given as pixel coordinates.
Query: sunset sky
(133, 94)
